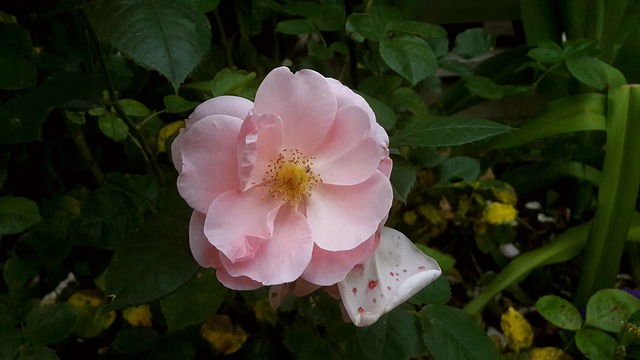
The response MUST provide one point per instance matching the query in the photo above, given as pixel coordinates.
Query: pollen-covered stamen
(290, 176)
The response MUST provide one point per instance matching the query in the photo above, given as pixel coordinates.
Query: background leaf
(171, 37)
(17, 214)
(595, 344)
(451, 334)
(393, 336)
(447, 131)
(154, 261)
(202, 296)
(47, 324)
(559, 312)
(409, 56)
(608, 308)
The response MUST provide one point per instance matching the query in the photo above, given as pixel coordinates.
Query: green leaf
(76, 117)
(154, 261)
(113, 127)
(203, 293)
(419, 28)
(16, 71)
(409, 56)
(16, 272)
(483, 87)
(473, 42)
(459, 168)
(385, 116)
(438, 292)
(231, 81)
(445, 261)
(595, 344)
(134, 108)
(588, 70)
(176, 104)
(10, 342)
(108, 216)
(607, 309)
(403, 177)
(36, 352)
(296, 26)
(170, 36)
(547, 52)
(366, 26)
(451, 334)
(21, 117)
(559, 312)
(393, 336)
(307, 344)
(319, 50)
(17, 214)
(44, 244)
(203, 6)
(447, 131)
(325, 17)
(48, 324)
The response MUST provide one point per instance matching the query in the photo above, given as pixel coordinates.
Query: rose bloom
(294, 187)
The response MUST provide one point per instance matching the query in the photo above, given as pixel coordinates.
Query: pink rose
(294, 186)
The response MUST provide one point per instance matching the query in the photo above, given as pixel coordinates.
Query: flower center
(290, 176)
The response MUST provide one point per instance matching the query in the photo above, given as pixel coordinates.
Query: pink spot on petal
(388, 287)
(360, 309)
(391, 273)
(421, 267)
(404, 270)
(354, 290)
(372, 284)
(397, 274)
(375, 301)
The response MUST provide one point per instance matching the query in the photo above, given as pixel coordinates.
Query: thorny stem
(113, 98)
(223, 38)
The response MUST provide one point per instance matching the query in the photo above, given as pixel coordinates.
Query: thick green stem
(617, 196)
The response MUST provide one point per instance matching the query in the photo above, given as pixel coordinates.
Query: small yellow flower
(264, 312)
(138, 315)
(498, 213)
(222, 335)
(549, 353)
(517, 330)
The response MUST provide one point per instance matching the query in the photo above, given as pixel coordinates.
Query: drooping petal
(343, 217)
(397, 271)
(259, 141)
(203, 252)
(238, 222)
(236, 283)
(330, 267)
(281, 258)
(234, 106)
(347, 155)
(303, 100)
(209, 166)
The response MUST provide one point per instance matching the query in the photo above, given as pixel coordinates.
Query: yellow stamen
(291, 177)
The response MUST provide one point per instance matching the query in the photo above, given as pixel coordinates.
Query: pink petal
(209, 166)
(343, 217)
(397, 271)
(281, 258)
(203, 252)
(238, 222)
(259, 141)
(236, 283)
(330, 267)
(303, 100)
(222, 105)
(347, 155)
(176, 151)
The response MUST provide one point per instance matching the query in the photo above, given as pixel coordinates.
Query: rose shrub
(294, 186)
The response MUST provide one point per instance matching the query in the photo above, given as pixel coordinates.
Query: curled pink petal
(236, 282)
(282, 257)
(330, 267)
(238, 223)
(208, 160)
(259, 141)
(397, 271)
(205, 254)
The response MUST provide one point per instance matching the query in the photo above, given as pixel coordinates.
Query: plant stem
(85, 152)
(617, 196)
(113, 97)
(223, 38)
